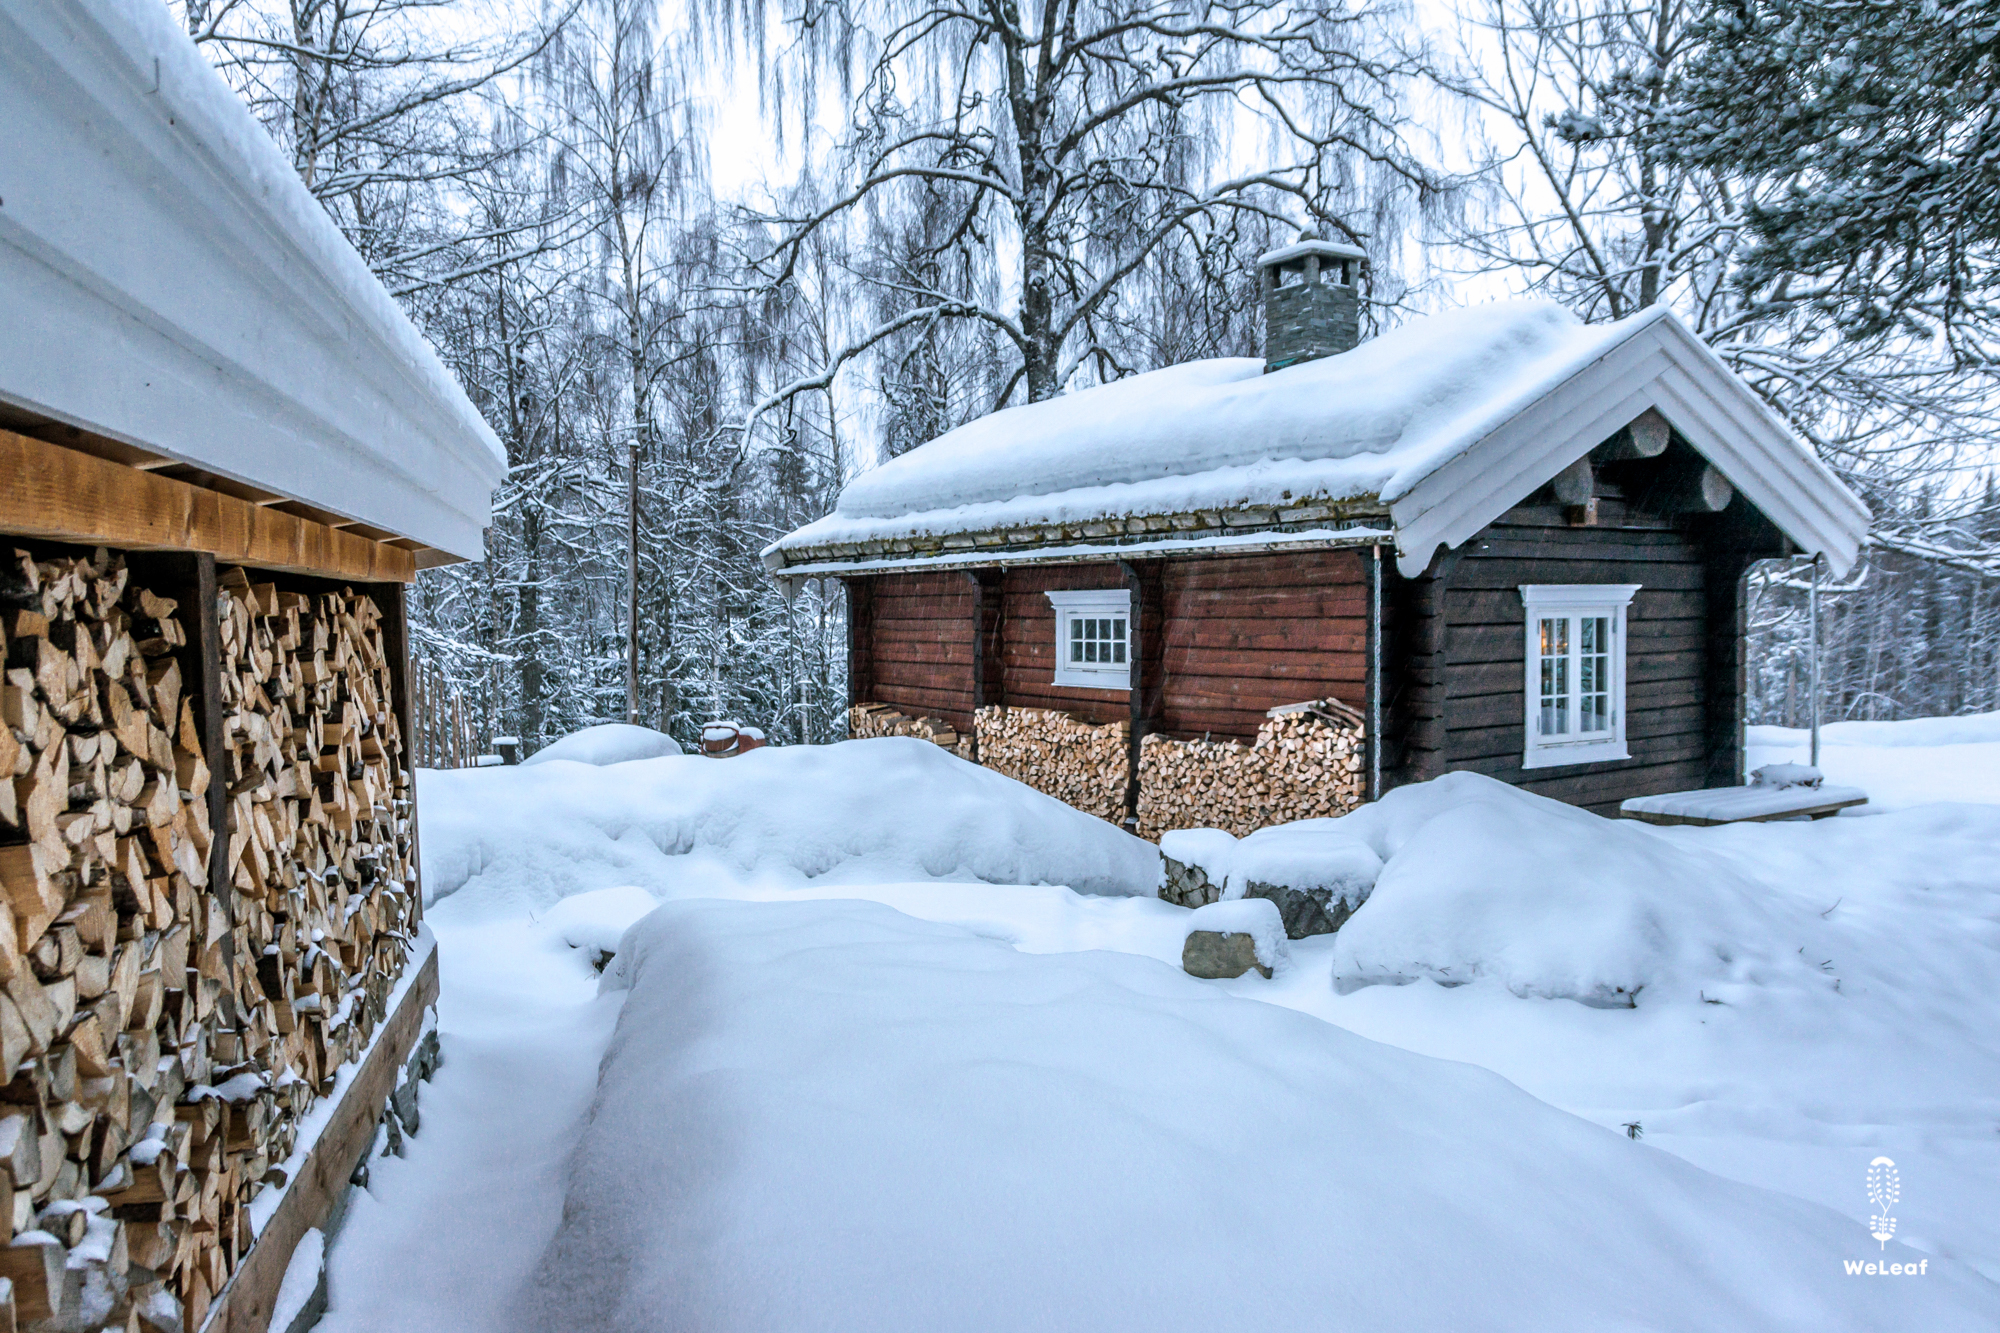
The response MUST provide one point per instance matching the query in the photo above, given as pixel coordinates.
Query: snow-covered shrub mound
(829, 1116)
(595, 921)
(608, 743)
(1483, 880)
(889, 809)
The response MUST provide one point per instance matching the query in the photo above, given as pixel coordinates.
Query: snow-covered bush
(1483, 880)
(886, 809)
(608, 743)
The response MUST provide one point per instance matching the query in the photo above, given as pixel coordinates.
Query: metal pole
(1373, 740)
(1812, 619)
(632, 585)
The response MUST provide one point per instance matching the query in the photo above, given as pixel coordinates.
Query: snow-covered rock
(1227, 939)
(607, 743)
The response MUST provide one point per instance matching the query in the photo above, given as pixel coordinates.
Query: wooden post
(1371, 739)
(860, 638)
(189, 577)
(1724, 677)
(1135, 689)
(393, 599)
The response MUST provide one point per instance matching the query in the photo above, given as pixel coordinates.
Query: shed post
(1812, 623)
(1135, 690)
(1372, 739)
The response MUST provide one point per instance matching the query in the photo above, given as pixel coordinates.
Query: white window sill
(1565, 756)
(1094, 680)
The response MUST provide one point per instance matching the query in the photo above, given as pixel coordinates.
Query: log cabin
(1237, 591)
(224, 454)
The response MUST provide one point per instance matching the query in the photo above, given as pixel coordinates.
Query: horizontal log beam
(64, 495)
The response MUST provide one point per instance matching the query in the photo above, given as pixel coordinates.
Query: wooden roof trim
(68, 495)
(1212, 544)
(1019, 545)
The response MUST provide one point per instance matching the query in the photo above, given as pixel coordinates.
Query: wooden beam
(63, 495)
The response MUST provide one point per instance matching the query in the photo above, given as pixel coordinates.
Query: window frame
(1573, 602)
(1072, 604)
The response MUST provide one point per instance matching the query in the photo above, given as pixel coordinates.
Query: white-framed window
(1575, 672)
(1093, 648)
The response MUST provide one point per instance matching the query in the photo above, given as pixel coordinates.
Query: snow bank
(608, 743)
(888, 809)
(1222, 433)
(1256, 917)
(1483, 880)
(829, 1116)
(1971, 729)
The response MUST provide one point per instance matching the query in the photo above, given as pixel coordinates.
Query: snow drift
(607, 743)
(891, 809)
(829, 1116)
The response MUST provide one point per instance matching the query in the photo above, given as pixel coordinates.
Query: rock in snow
(1227, 939)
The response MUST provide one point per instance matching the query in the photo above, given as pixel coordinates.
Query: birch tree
(1052, 149)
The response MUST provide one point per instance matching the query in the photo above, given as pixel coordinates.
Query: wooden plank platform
(1741, 805)
(248, 1302)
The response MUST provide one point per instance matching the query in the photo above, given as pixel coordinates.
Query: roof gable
(1656, 362)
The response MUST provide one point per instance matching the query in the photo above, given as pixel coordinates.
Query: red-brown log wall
(913, 644)
(1028, 642)
(1247, 633)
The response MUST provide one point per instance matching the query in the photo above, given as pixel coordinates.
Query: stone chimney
(1312, 306)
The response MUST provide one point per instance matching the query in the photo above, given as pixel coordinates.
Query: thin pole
(1812, 620)
(1373, 740)
(632, 585)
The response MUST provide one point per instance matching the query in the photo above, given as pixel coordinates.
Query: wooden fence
(447, 734)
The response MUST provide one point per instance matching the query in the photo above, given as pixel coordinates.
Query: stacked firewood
(160, 1035)
(1075, 761)
(870, 720)
(1306, 763)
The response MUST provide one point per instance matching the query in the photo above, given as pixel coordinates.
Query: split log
(161, 1036)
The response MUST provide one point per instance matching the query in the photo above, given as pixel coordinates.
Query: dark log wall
(1247, 633)
(911, 643)
(1028, 642)
(1460, 704)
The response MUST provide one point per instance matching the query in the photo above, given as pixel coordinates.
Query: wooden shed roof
(173, 299)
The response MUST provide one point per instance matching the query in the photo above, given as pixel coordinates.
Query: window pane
(1555, 685)
(1594, 674)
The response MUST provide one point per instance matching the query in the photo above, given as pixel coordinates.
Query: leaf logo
(1885, 1187)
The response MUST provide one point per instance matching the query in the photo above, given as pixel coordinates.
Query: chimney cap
(1299, 250)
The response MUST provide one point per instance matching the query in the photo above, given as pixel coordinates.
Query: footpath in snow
(875, 1065)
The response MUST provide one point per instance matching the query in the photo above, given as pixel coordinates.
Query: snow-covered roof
(1438, 427)
(168, 282)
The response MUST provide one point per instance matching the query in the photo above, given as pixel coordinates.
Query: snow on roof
(1373, 424)
(1222, 433)
(168, 281)
(1332, 249)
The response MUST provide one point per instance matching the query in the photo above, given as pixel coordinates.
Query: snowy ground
(1898, 763)
(816, 1112)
